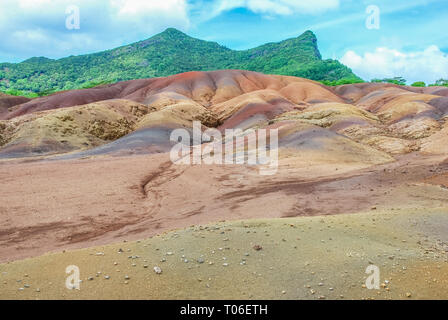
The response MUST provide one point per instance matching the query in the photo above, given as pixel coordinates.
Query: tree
(395, 80)
(418, 84)
(442, 82)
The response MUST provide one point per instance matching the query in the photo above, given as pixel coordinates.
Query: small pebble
(201, 260)
(157, 270)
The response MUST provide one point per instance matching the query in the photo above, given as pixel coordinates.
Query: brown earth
(362, 177)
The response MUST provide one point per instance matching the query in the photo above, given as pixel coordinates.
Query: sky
(376, 38)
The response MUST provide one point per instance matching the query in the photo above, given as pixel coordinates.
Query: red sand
(58, 205)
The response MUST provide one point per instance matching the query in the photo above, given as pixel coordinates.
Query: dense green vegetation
(418, 84)
(396, 80)
(440, 82)
(342, 81)
(167, 53)
(15, 92)
(402, 82)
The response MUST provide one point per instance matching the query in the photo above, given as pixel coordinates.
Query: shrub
(418, 84)
(396, 80)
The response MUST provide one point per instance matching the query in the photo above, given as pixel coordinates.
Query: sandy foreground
(297, 258)
(318, 225)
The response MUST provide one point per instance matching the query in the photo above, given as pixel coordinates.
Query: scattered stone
(157, 270)
(200, 260)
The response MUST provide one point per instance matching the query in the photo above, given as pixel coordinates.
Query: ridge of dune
(387, 117)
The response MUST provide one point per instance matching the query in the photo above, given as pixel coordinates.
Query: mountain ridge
(167, 53)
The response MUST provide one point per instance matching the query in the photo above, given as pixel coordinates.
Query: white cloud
(267, 8)
(150, 11)
(37, 27)
(427, 65)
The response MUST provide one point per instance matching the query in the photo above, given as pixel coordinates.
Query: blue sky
(411, 40)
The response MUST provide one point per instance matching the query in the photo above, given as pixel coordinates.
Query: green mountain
(167, 53)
